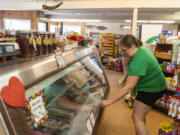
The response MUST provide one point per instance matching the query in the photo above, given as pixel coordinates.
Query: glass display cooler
(70, 86)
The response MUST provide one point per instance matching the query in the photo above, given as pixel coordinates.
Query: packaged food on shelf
(169, 128)
(77, 78)
(168, 67)
(32, 45)
(45, 44)
(172, 83)
(174, 107)
(39, 45)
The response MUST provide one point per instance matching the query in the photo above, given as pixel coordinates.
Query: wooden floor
(116, 119)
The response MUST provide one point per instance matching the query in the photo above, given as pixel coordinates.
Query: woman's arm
(130, 84)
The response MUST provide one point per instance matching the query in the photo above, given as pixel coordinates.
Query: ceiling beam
(92, 4)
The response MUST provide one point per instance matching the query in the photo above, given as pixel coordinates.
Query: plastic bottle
(171, 105)
(178, 113)
(175, 109)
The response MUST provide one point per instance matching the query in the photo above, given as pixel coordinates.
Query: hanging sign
(36, 106)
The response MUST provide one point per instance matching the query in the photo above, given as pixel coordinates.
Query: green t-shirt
(145, 65)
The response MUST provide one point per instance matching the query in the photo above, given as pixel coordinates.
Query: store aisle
(116, 119)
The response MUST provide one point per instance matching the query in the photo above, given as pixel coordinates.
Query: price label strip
(60, 60)
(36, 106)
(89, 127)
(92, 118)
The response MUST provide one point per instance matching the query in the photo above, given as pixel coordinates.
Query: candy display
(172, 83)
(164, 101)
(35, 43)
(164, 35)
(176, 52)
(168, 67)
(169, 128)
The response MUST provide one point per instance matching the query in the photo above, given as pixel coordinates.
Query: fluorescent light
(165, 3)
(139, 21)
(128, 21)
(142, 21)
(126, 27)
(73, 20)
(159, 21)
(150, 21)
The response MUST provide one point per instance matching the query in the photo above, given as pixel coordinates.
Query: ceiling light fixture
(150, 21)
(73, 20)
(126, 27)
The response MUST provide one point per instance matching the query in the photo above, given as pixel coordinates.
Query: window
(69, 28)
(53, 28)
(17, 24)
(42, 27)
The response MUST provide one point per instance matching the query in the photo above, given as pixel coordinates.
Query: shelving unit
(117, 42)
(107, 44)
(96, 39)
(163, 53)
(161, 109)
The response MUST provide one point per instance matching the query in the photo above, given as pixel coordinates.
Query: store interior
(60, 58)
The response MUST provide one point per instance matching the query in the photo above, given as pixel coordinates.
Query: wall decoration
(14, 94)
(90, 26)
(101, 27)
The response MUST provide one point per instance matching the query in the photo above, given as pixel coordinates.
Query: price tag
(89, 127)
(60, 60)
(92, 118)
(36, 106)
(102, 93)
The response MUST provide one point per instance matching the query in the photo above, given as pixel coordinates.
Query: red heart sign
(14, 94)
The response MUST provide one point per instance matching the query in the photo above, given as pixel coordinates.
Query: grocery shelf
(161, 109)
(107, 35)
(107, 42)
(168, 59)
(164, 44)
(107, 45)
(168, 74)
(171, 91)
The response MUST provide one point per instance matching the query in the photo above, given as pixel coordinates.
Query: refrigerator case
(71, 93)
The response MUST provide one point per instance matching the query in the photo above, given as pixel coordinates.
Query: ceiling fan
(52, 7)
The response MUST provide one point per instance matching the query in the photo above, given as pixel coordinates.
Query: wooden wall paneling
(34, 20)
(29, 15)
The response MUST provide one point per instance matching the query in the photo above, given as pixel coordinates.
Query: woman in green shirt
(145, 76)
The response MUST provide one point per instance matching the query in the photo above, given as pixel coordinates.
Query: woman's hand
(105, 103)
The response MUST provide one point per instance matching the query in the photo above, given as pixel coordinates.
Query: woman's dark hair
(129, 40)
